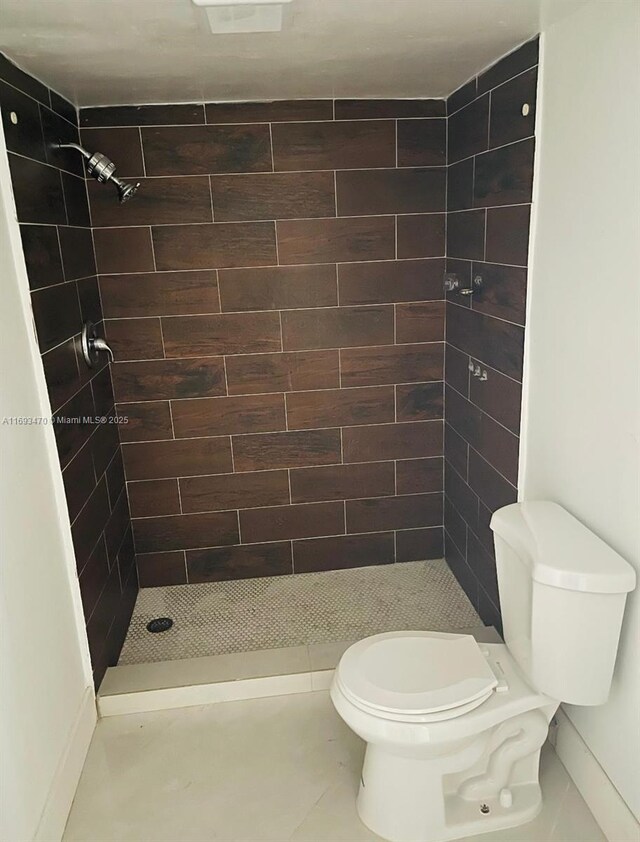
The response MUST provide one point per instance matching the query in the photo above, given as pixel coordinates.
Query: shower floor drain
(160, 624)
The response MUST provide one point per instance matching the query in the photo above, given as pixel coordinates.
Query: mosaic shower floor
(277, 611)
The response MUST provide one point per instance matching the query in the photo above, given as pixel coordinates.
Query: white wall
(581, 418)
(46, 698)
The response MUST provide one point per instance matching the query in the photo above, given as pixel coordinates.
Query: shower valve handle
(93, 345)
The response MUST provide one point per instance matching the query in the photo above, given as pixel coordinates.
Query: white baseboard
(64, 784)
(605, 802)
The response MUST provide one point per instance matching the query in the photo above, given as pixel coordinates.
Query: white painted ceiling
(107, 52)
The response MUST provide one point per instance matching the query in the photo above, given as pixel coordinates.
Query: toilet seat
(416, 676)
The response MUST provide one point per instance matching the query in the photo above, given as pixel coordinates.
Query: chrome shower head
(103, 169)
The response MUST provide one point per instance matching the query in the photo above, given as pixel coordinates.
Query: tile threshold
(162, 685)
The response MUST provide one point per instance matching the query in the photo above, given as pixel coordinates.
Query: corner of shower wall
(50, 194)
(490, 152)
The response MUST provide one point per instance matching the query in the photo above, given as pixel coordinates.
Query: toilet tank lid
(560, 550)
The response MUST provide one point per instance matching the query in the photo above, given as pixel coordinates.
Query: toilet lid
(416, 672)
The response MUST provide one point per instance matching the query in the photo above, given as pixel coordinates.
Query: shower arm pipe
(103, 169)
(75, 146)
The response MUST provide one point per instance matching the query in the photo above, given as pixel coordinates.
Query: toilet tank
(562, 594)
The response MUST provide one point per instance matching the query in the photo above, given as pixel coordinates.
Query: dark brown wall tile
(484, 567)
(25, 136)
(278, 111)
(278, 523)
(183, 458)
(456, 450)
(183, 532)
(161, 569)
(420, 322)
(145, 421)
(12, 74)
(388, 281)
(234, 491)
(457, 369)
(371, 192)
(88, 526)
(278, 288)
(508, 234)
(503, 293)
(90, 304)
(58, 130)
(337, 240)
(221, 416)
(135, 339)
(56, 311)
(122, 145)
(370, 109)
(78, 257)
(469, 130)
(504, 176)
(517, 61)
(105, 446)
(408, 512)
(416, 476)
(273, 196)
(168, 379)
(142, 115)
(419, 544)
(337, 327)
(79, 481)
(93, 578)
(492, 488)
(159, 201)
(462, 497)
(507, 122)
(460, 185)
(343, 552)
(159, 294)
(115, 477)
(498, 396)
(196, 336)
(396, 441)
(75, 199)
(206, 149)
(462, 96)
(42, 255)
(61, 373)
(123, 250)
(342, 145)
(242, 562)
(70, 430)
(455, 525)
(396, 364)
(286, 450)
(295, 371)
(465, 234)
(37, 190)
(342, 482)
(422, 143)
(154, 497)
(117, 527)
(214, 246)
(340, 407)
(421, 235)
(419, 402)
(497, 343)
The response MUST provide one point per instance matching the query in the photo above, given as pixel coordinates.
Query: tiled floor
(283, 769)
(280, 611)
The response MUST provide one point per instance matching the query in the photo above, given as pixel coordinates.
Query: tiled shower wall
(490, 175)
(273, 296)
(51, 199)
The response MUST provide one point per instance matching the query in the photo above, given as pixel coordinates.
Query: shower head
(103, 169)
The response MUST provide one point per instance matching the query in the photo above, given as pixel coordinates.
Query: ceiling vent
(230, 16)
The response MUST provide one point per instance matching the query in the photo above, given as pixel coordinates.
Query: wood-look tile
(116, 528)
(455, 525)
(88, 526)
(214, 246)
(122, 145)
(56, 311)
(79, 481)
(142, 115)
(457, 369)
(104, 445)
(76, 202)
(418, 322)
(469, 130)
(337, 240)
(381, 191)
(181, 458)
(102, 389)
(503, 293)
(25, 136)
(461, 495)
(26, 83)
(492, 488)
(183, 532)
(507, 122)
(61, 373)
(93, 578)
(492, 341)
(334, 145)
(421, 235)
(460, 185)
(337, 327)
(135, 339)
(484, 566)
(145, 421)
(462, 96)
(222, 416)
(230, 333)
(465, 234)
(42, 255)
(220, 564)
(159, 201)
(63, 107)
(422, 143)
(199, 150)
(56, 130)
(396, 441)
(460, 270)
(342, 482)
(456, 450)
(419, 402)
(342, 552)
(263, 451)
(419, 544)
(37, 190)
(123, 250)
(418, 476)
(70, 430)
(155, 380)
(278, 288)
(294, 371)
(408, 512)
(340, 407)
(234, 491)
(273, 196)
(504, 176)
(161, 569)
(388, 281)
(508, 235)
(154, 497)
(278, 111)
(115, 477)
(498, 396)
(515, 62)
(394, 364)
(159, 294)
(78, 258)
(284, 523)
(90, 304)
(371, 109)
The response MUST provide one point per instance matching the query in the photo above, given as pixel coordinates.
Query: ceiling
(108, 52)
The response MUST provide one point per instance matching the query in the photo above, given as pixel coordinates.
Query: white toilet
(454, 728)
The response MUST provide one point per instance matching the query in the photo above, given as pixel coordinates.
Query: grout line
(186, 567)
(213, 215)
(179, 495)
(153, 247)
(144, 165)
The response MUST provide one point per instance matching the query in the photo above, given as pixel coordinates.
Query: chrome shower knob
(93, 345)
